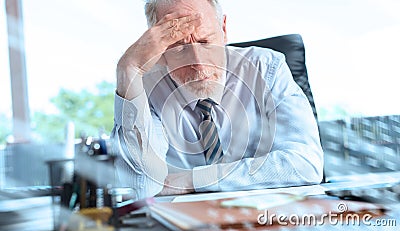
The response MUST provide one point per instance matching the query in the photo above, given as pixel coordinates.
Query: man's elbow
(156, 172)
(152, 184)
(313, 174)
(316, 177)
(309, 170)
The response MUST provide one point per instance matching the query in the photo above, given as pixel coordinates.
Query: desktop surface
(36, 213)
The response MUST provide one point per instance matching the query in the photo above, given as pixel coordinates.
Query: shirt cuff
(127, 113)
(205, 178)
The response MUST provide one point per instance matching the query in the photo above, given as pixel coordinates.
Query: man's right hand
(147, 50)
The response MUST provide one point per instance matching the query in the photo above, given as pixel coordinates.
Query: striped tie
(209, 136)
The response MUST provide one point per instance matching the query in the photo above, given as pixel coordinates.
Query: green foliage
(91, 112)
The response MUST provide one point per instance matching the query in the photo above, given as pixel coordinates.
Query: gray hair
(151, 9)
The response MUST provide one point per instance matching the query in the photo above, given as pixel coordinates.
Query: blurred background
(68, 50)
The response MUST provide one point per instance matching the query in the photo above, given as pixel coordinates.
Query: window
(351, 57)
(71, 48)
(5, 93)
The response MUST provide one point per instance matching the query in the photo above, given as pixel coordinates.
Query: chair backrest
(292, 47)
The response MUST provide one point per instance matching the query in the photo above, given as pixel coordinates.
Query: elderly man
(194, 115)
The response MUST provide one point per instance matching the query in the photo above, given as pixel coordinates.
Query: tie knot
(205, 106)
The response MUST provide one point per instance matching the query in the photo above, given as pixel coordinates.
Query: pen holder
(118, 196)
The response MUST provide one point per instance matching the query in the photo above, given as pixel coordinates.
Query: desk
(315, 191)
(392, 217)
(36, 213)
(26, 214)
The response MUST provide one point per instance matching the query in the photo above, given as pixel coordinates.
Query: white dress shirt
(266, 127)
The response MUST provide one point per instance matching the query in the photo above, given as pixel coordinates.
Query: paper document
(263, 201)
(300, 190)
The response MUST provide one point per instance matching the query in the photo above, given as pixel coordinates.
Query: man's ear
(224, 28)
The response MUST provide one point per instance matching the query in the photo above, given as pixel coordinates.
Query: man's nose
(196, 56)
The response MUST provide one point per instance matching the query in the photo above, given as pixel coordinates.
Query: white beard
(203, 84)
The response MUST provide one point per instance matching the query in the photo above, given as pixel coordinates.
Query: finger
(178, 22)
(180, 31)
(173, 35)
(173, 15)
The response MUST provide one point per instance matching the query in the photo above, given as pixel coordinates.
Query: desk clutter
(86, 200)
(91, 200)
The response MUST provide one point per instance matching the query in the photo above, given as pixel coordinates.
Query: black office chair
(292, 47)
